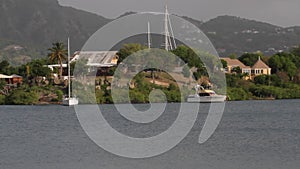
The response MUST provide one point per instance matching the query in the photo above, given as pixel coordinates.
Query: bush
(59, 94)
(237, 94)
(21, 97)
(2, 99)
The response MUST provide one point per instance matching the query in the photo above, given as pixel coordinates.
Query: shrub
(2, 99)
(237, 94)
(59, 94)
(21, 97)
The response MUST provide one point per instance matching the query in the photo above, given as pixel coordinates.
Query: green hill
(34, 25)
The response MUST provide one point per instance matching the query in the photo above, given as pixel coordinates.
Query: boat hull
(70, 101)
(206, 99)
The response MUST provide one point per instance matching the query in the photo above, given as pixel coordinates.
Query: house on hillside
(259, 68)
(233, 64)
(101, 61)
(12, 80)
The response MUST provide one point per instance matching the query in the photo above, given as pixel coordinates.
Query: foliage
(58, 54)
(2, 99)
(2, 83)
(59, 95)
(237, 70)
(37, 68)
(237, 94)
(129, 49)
(250, 59)
(22, 97)
(284, 62)
(6, 68)
(224, 63)
(232, 56)
(188, 56)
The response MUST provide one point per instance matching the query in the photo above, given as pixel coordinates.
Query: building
(13, 79)
(97, 59)
(101, 61)
(259, 68)
(234, 63)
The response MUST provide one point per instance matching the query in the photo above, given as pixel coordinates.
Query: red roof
(260, 65)
(234, 63)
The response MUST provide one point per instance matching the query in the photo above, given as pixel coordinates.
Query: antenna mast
(149, 36)
(69, 71)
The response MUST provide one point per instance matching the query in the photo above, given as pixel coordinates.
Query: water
(251, 135)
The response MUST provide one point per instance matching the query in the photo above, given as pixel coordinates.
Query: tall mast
(69, 81)
(166, 30)
(172, 33)
(149, 36)
(169, 40)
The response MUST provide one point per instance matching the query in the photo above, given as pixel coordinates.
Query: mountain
(39, 23)
(232, 34)
(29, 27)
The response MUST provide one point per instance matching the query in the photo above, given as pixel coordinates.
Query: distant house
(101, 61)
(235, 63)
(96, 60)
(259, 68)
(13, 79)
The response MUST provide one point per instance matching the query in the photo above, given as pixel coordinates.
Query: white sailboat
(69, 100)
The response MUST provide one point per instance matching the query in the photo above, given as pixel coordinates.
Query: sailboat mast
(166, 30)
(69, 71)
(149, 36)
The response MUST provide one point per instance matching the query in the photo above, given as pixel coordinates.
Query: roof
(260, 65)
(96, 58)
(235, 63)
(16, 76)
(2, 76)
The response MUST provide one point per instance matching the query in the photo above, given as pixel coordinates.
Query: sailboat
(69, 100)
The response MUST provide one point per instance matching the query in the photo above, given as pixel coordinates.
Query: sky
(278, 12)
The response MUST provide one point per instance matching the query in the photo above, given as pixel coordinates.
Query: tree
(6, 68)
(188, 55)
(262, 79)
(224, 63)
(284, 62)
(58, 54)
(237, 70)
(37, 68)
(232, 56)
(250, 59)
(4, 65)
(129, 49)
(22, 97)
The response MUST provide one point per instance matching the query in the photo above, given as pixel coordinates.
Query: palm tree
(58, 54)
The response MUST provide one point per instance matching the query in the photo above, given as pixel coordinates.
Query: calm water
(251, 135)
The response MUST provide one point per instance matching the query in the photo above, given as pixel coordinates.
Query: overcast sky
(279, 12)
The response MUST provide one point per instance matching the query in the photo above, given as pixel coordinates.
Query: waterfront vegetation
(40, 87)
